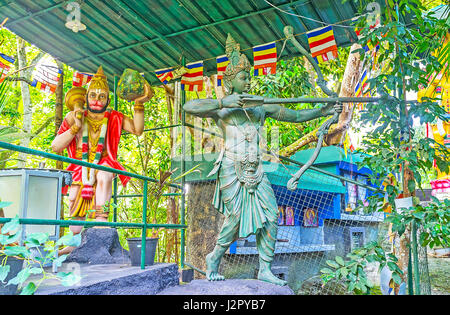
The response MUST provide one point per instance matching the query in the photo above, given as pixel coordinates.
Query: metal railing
(65, 223)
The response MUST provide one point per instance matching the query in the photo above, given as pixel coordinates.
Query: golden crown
(99, 81)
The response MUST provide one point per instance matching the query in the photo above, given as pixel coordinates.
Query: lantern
(35, 194)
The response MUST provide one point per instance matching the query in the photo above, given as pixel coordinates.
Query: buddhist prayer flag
(265, 59)
(222, 63)
(361, 88)
(322, 44)
(81, 79)
(347, 144)
(46, 78)
(49, 88)
(164, 75)
(193, 79)
(369, 46)
(5, 64)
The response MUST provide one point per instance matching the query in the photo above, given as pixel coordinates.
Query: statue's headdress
(238, 62)
(99, 81)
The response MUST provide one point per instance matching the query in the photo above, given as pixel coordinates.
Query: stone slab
(113, 279)
(228, 287)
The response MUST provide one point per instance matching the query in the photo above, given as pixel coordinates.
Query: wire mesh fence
(316, 222)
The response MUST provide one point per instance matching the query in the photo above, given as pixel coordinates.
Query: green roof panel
(150, 35)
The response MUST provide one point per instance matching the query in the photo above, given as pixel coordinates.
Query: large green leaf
(4, 204)
(11, 226)
(29, 289)
(21, 277)
(11, 134)
(4, 270)
(16, 251)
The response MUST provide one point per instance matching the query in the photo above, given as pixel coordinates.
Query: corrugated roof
(150, 35)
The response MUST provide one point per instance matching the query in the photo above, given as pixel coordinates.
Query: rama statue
(243, 192)
(92, 134)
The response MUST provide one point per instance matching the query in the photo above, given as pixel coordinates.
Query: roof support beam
(137, 16)
(36, 13)
(290, 3)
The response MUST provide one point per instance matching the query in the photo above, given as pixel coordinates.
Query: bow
(323, 130)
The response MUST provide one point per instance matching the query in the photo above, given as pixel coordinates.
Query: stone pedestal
(111, 279)
(228, 287)
(99, 246)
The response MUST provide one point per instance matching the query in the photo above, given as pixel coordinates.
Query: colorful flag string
(193, 79)
(6, 62)
(81, 79)
(222, 63)
(265, 59)
(322, 44)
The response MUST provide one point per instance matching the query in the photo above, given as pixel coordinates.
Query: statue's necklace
(98, 152)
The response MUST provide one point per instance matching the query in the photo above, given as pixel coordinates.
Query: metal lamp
(35, 194)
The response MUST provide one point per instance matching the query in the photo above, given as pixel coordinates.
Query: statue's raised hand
(78, 117)
(331, 108)
(148, 94)
(233, 101)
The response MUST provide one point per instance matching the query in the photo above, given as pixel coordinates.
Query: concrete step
(112, 279)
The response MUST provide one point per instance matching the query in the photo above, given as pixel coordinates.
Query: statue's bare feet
(265, 274)
(212, 268)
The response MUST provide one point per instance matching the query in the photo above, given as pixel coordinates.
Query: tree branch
(42, 127)
(23, 79)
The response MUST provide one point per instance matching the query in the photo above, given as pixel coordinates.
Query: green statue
(243, 192)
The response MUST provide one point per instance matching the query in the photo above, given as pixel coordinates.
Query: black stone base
(112, 279)
(99, 246)
(228, 287)
(187, 275)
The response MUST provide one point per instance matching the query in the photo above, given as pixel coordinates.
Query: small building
(315, 221)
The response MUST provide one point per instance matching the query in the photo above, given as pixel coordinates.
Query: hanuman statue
(92, 134)
(243, 192)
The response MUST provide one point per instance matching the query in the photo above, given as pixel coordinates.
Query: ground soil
(439, 270)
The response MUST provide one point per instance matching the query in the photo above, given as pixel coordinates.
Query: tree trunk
(26, 101)
(351, 76)
(59, 104)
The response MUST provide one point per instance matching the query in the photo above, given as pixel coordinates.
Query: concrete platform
(112, 279)
(228, 287)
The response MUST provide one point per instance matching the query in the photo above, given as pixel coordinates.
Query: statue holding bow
(243, 192)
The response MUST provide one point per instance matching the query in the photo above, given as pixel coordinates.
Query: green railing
(65, 223)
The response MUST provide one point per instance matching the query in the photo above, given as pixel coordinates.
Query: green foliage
(434, 220)
(292, 79)
(407, 50)
(351, 270)
(33, 264)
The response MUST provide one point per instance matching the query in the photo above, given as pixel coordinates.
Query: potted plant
(154, 194)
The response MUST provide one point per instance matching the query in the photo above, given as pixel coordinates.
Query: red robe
(112, 139)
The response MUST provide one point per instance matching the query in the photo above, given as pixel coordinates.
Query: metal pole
(415, 258)
(144, 228)
(183, 154)
(116, 103)
(410, 274)
(18, 148)
(66, 223)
